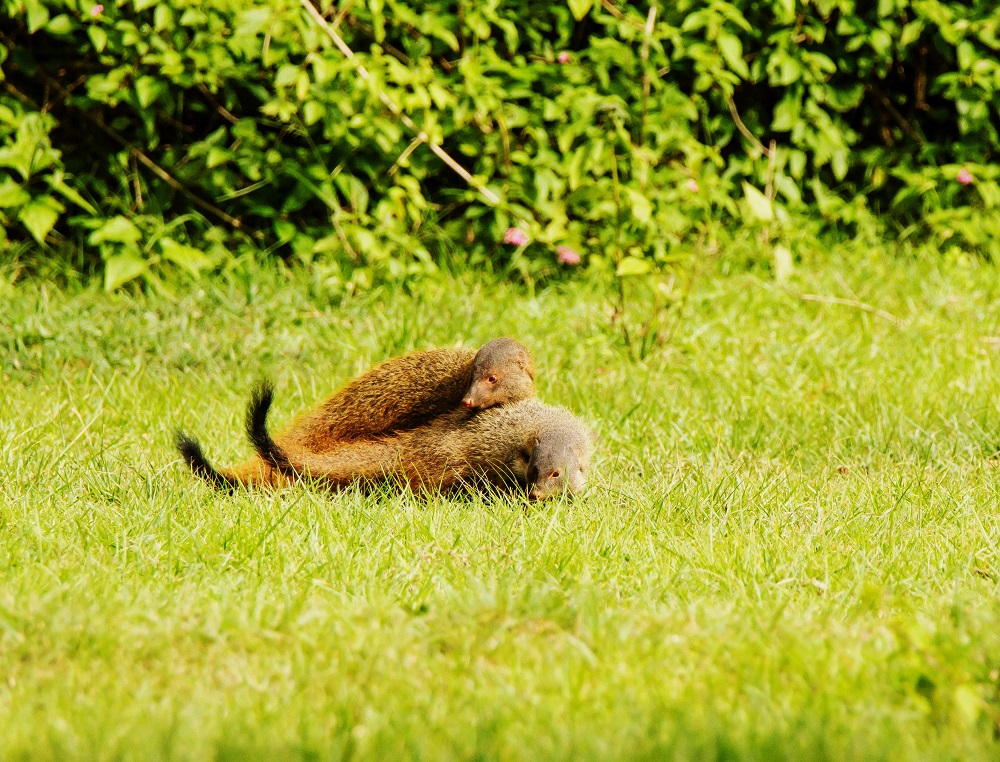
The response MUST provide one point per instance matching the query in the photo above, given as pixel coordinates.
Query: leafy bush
(153, 132)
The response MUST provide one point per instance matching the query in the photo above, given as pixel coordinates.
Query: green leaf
(121, 268)
(148, 89)
(312, 112)
(116, 230)
(57, 184)
(163, 17)
(786, 113)
(642, 207)
(286, 76)
(39, 215)
(61, 25)
(580, 8)
(216, 157)
(760, 207)
(732, 51)
(911, 33)
(968, 704)
(188, 257)
(98, 37)
(783, 263)
(633, 266)
(38, 15)
(12, 194)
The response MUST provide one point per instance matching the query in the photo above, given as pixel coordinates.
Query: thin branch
(646, 84)
(406, 154)
(898, 322)
(743, 128)
(610, 8)
(137, 184)
(772, 155)
(342, 13)
(49, 105)
(395, 109)
(223, 111)
(366, 30)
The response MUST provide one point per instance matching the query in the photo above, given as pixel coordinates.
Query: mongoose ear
(534, 449)
(522, 359)
(532, 472)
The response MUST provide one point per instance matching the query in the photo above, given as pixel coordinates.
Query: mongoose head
(559, 460)
(501, 373)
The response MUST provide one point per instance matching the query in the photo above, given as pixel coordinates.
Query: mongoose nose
(467, 402)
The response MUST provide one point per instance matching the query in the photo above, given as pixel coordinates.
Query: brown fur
(544, 448)
(397, 395)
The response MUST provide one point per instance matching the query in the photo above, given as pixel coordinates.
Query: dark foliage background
(146, 134)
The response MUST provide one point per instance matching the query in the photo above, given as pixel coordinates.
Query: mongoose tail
(256, 426)
(190, 450)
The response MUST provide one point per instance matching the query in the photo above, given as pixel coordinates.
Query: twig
(49, 105)
(396, 110)
(772, 155)
(743, 128)
(644, 57)
(898, 322)
(137, 184)
(366, 30)
(406, 154)
(504, 139)
(610, 8)
(342, 13)
(223, 111)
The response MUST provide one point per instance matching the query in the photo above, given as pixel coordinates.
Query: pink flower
(964, 176)
(568, 256)
(515, 237)
(692, 185)
(97, 10)
(563, 57)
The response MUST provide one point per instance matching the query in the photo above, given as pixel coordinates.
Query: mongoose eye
(554, 475)
(492, 379)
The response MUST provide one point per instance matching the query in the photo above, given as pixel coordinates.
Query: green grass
(790, 548)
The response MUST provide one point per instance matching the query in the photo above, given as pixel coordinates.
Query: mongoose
(399, 394)
(544, 448)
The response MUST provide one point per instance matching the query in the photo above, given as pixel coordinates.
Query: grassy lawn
(789, 550)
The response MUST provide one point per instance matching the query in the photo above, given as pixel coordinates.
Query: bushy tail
(257, 409)
(190, 450)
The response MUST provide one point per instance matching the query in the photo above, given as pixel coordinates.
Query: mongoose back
(399, 394)
(544, 448)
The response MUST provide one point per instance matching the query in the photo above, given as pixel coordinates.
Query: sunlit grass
(790, 548)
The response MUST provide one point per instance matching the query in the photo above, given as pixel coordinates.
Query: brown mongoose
(399, 394)
(544, 448)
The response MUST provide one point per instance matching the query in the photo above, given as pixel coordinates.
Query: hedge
(150, 133)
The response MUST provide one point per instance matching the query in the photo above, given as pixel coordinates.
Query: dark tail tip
(257, 409)
(190, 450)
